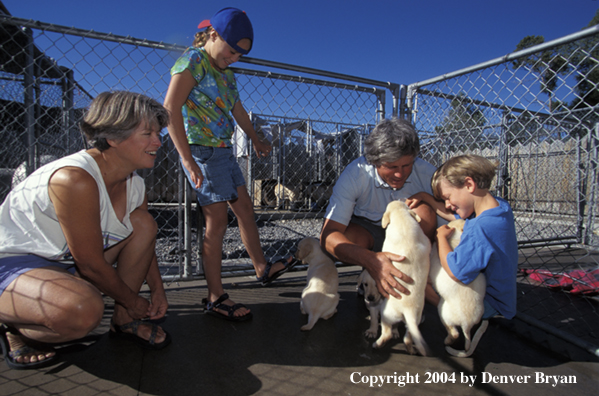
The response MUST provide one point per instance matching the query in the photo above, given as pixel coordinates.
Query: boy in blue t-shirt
(488, 244)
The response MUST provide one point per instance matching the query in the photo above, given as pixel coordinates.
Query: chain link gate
(535, 113)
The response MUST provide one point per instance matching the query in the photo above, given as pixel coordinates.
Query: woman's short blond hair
(115, 115)
(457, 169)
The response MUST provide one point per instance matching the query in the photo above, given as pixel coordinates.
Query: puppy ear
(300, 253)
(415, 215)
(386, 219)
(361, 277)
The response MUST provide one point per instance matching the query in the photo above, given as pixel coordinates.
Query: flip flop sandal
(10, 357)
(211, 309)
(265, 279)
(119, 332)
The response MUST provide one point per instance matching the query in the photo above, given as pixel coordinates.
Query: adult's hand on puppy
(386, 276)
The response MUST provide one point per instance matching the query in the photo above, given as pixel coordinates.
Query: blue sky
(398, 41)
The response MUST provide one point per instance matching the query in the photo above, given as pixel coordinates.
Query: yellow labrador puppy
(460, 305)
(373, 300)
(320, 297)
(403, 236)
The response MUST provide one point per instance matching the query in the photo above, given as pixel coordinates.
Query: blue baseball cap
(232, 25)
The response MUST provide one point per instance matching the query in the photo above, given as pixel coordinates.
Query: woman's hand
(139, 308)
(158, 305)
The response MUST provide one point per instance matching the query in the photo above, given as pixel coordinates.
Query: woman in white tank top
(63, 228)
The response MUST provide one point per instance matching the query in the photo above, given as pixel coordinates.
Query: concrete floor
(271, 356)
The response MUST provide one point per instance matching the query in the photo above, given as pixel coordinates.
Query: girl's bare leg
(244, 211)
(216, 219)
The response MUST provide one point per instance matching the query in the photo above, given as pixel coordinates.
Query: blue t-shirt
(489, 245)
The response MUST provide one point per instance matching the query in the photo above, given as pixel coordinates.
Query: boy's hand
(444, 232)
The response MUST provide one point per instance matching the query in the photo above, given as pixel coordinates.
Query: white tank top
(28, 222)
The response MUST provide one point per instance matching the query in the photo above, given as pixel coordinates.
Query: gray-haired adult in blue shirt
(389, 170)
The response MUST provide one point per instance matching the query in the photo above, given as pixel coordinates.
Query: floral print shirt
(207, 111)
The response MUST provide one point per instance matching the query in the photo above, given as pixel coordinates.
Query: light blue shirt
(360, 191)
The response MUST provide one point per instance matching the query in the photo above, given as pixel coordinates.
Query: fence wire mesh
(51, 73)
(535, 113)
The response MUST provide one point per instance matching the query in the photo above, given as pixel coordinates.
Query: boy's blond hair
(457, 169)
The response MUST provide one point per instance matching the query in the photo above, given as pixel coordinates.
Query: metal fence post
(593, 178)
(187, 267)
(29, 100)
(503, 177)
(68, 112)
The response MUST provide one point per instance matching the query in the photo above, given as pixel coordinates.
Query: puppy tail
(312, 319)
(477, 336)
(419, 343)
(416, 335)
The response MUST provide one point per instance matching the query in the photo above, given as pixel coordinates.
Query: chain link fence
(316, 126)
(535, 113)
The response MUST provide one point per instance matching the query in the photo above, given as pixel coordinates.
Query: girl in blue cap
(203, 100)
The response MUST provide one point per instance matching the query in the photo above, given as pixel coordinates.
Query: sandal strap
(134, 326)
(152, 339)
(266, 271)
(219, 301)
(218, 304)
(25, 350)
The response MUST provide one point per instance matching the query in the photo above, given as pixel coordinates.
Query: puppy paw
(395, 333)
(370, 333)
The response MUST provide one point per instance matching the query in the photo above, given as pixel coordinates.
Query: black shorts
(376, 231)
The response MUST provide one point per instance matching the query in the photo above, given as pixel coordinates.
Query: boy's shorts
(376, 231)
(14, 266)
(222, 175)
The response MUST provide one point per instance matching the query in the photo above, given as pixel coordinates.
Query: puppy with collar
(403, 236)
(372, 300)
(460, 305)
(319, 297)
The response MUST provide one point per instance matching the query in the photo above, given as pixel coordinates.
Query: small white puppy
(460, 305)
(403, 236)
(373, 300)
(320, 297)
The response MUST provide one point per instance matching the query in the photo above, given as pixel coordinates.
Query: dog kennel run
(533, 111)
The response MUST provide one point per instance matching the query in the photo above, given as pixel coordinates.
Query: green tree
(587, 60)
(548, 64)
(462, 124)
(581, 57)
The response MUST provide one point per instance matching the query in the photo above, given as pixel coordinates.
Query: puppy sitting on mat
(320, 297)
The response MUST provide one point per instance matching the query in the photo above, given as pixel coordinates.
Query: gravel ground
(279, 238)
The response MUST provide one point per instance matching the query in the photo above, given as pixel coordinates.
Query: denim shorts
(377, 231)
(222, 175)
(12, 267)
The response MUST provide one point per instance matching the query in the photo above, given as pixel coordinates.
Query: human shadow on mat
(220, 357)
